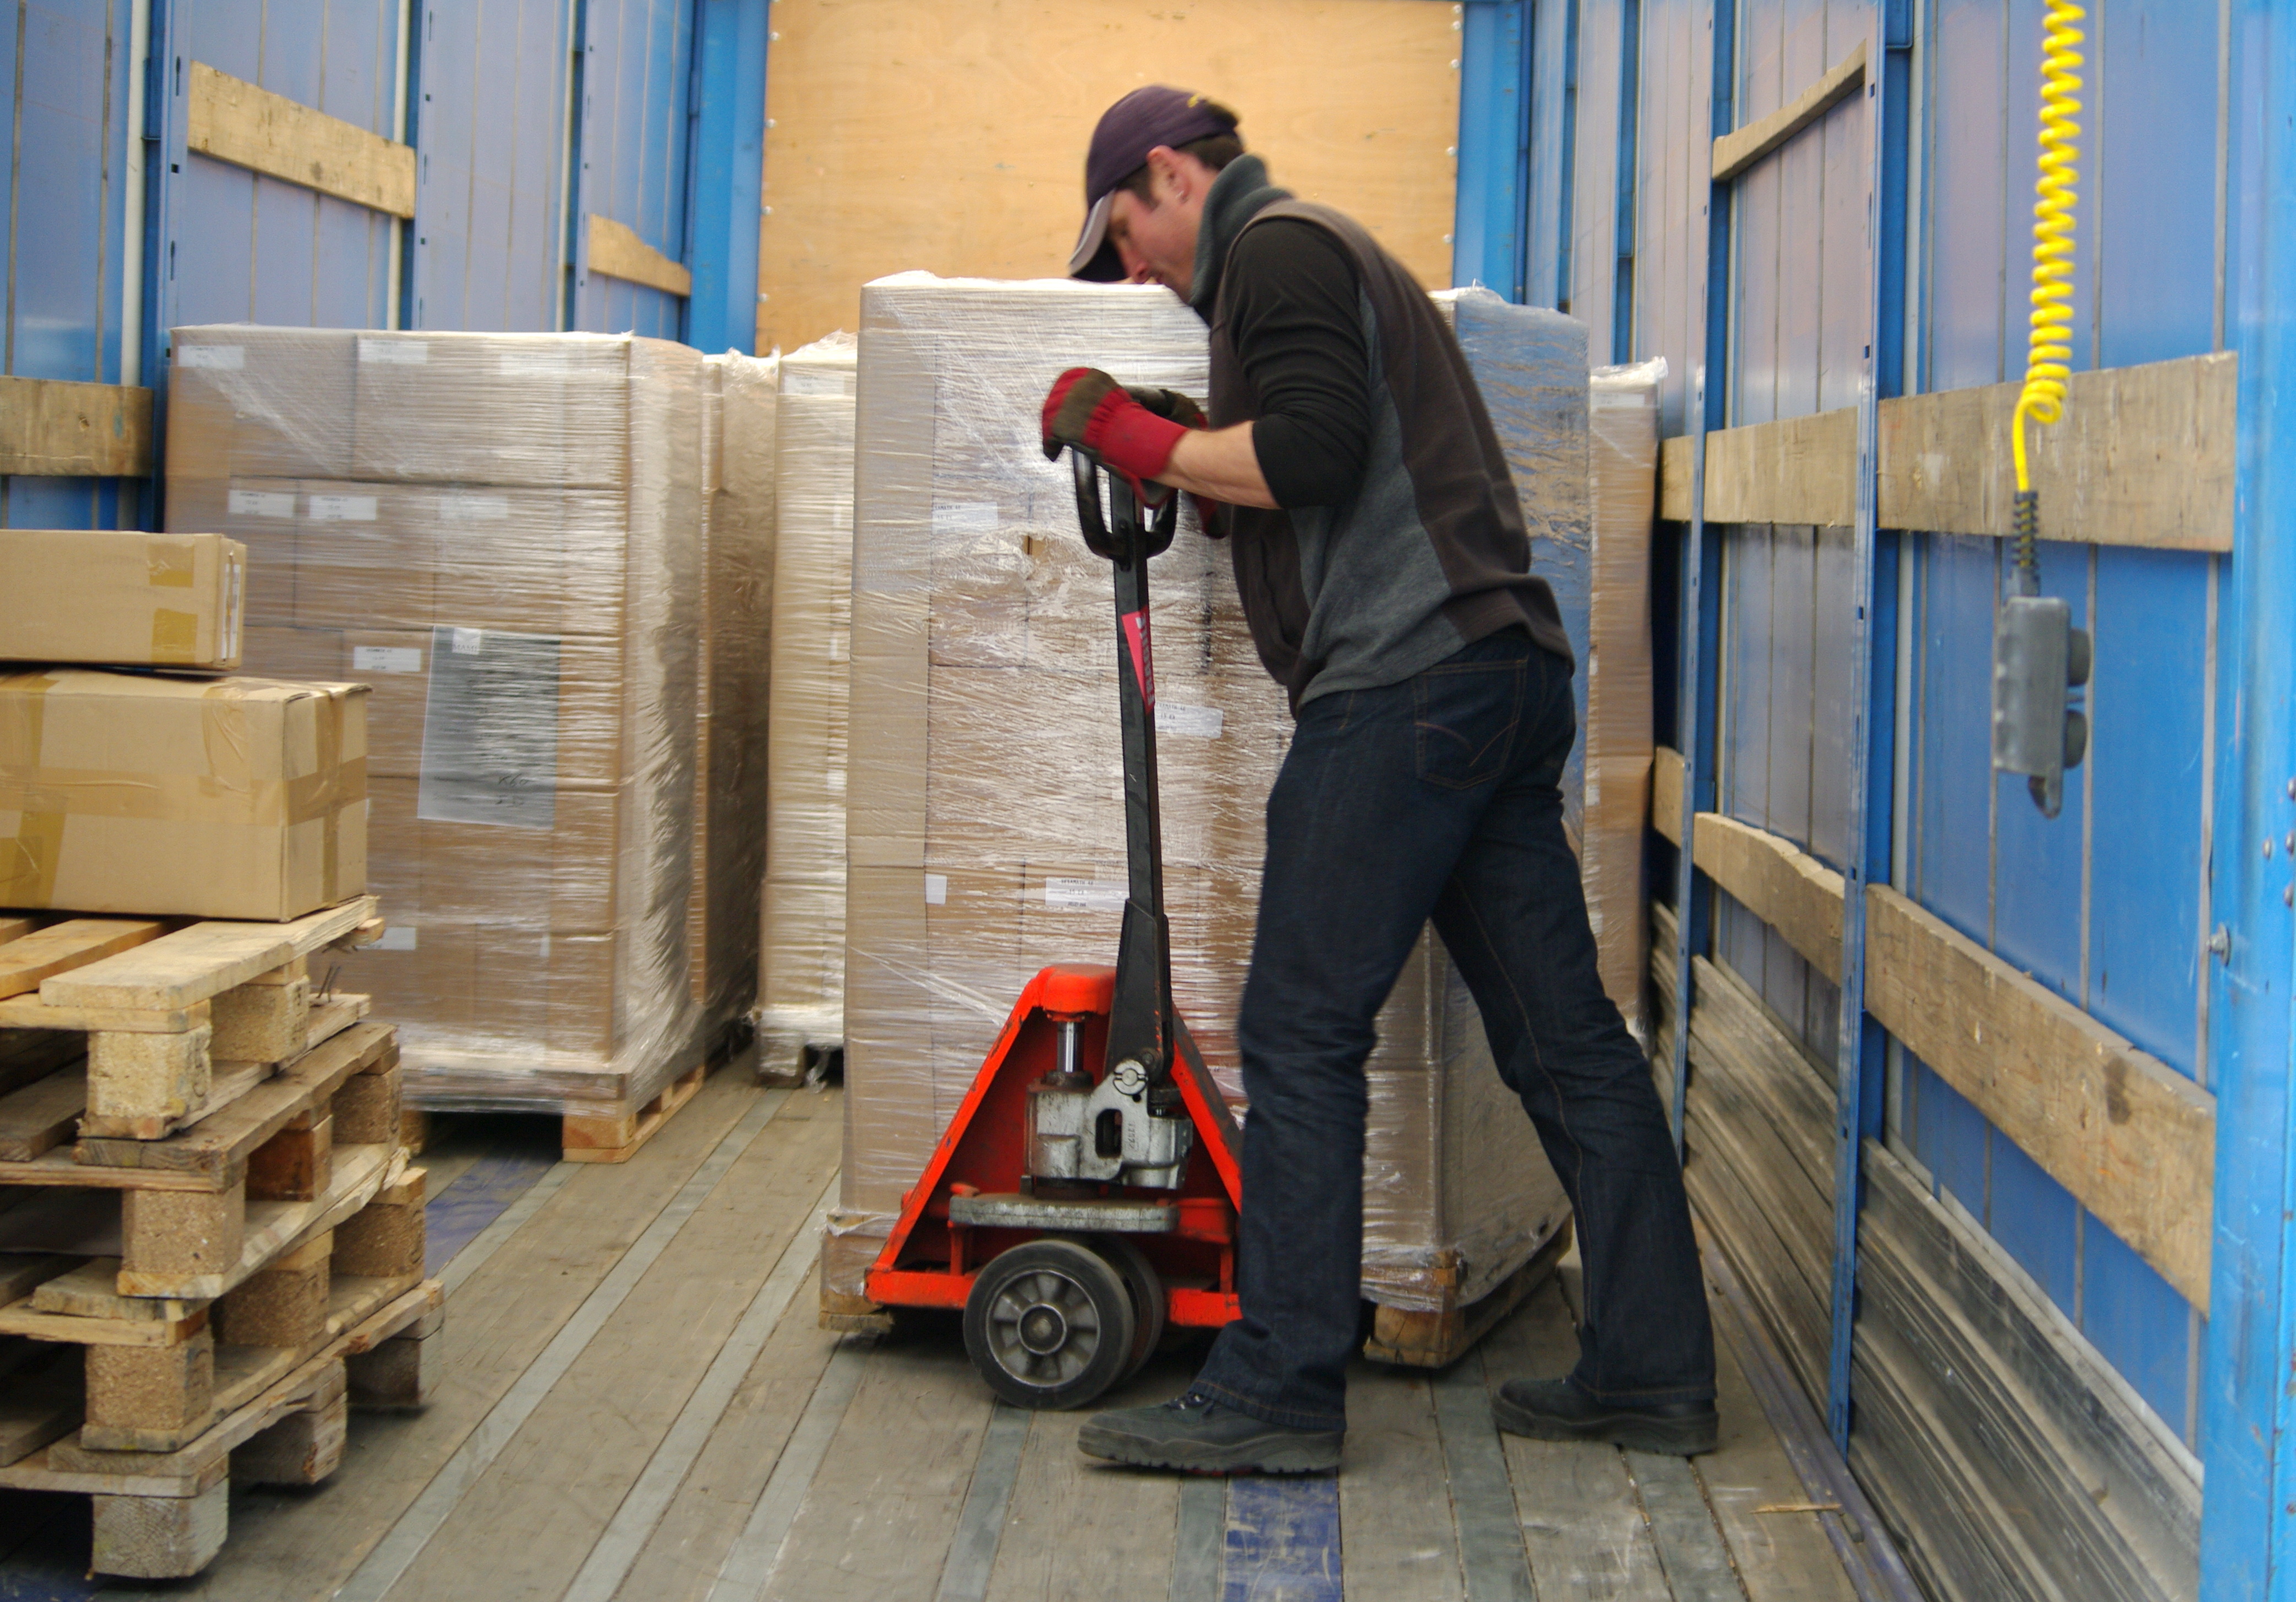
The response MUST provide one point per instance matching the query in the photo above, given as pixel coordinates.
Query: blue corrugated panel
(62, 151)
(489, 127)
(247, 248)
(637, 55)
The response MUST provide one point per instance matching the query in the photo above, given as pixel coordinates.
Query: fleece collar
(1239, 193)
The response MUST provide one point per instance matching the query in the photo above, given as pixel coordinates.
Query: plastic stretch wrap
(1623, 478)
(987, 826)
(801, 979)
(740, 395)
(501, 534)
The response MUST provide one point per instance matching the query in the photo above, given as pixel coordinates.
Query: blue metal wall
(107, 250)
(64, 151)
(487, 119)
(636, 57)
(2109, 902)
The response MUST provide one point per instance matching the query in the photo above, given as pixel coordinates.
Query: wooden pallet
(614, 1133)
(174, 1022)
(1438, 1339)
(161, 1369)
(789, 1058)
(163, 1515)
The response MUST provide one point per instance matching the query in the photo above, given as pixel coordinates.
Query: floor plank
(876, 1524)
(1690, 1549)
(1076, 1528)
(562, 1478)
(1780, 1557)
(1581, 1521)
(1396, 1539)
(292, 1546)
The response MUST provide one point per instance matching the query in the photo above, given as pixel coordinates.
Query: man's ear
(1168, 175)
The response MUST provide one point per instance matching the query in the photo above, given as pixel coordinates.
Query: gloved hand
(1133, 431)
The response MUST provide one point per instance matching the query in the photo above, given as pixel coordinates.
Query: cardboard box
(504, 409)
(205, 798)
(127, 599)
(260, 403)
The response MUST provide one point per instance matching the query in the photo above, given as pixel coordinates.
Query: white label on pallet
(397, 937)
(1090, 895)
(227, 358)
(340, 509)
(474, 509)
(1203, 721)
(957, 518)
(467, 641)
(386, 658)
(262, 503)
(936, 889)
(396, 352)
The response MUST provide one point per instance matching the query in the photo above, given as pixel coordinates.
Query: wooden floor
(637, 1403)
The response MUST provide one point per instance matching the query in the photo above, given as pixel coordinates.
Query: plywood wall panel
(950, 135)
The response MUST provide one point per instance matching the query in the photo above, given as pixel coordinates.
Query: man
(1381, 555)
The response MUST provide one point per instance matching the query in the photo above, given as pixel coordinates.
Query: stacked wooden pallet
(211, 1241)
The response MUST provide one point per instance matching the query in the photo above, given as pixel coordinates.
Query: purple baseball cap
(1128, 131)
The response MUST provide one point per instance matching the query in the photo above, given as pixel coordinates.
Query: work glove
(1133, 431)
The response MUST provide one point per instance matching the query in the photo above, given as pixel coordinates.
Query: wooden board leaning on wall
(948, 135)
(2132, 1139)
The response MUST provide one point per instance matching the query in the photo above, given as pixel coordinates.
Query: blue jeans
(1439, 797)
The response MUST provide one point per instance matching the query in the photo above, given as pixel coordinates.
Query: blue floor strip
(455, 1216)
(1283, 1540)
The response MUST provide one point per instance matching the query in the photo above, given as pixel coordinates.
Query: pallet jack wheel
(1049, 1324)
(1147, 1287)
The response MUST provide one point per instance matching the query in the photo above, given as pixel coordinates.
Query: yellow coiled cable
(2048, 352)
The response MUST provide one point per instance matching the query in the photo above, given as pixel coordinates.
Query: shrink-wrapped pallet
(501, 534)
(801, 973)
(739, 399)
(1622, 479)
(987, 822)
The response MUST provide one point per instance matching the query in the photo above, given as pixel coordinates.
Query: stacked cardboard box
(801, 978)
(986, 820)
(739, 397)
(121, 599)
(501, 534)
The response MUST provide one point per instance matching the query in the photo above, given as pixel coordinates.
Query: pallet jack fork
(1065, 1210)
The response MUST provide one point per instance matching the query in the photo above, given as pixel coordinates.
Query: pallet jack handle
(1142, 1025)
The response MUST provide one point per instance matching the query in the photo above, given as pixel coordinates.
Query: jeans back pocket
(1465, 716)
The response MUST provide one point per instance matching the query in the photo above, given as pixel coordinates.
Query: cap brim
(1094, 259)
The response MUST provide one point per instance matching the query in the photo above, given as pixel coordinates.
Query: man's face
(1157, 243)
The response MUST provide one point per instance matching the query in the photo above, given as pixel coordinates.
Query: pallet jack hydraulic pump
(1085, 1196)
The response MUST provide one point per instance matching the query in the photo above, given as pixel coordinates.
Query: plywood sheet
(950, 135)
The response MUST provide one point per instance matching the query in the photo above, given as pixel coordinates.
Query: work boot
(1195, 1435)
(1556, 1410)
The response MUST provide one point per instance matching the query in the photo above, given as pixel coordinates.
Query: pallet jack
(1062, 1210)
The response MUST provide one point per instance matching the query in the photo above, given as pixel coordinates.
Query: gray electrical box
(2039, 660)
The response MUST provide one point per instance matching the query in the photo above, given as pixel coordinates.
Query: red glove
(1089, 408)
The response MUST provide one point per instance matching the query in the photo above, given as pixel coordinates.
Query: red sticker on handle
(1143, 665)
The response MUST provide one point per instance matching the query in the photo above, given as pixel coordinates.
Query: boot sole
(1266, 1456)
(1664, 1437)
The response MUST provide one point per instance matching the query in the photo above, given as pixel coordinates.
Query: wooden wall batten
(2144, 457)
(52, 428)
(233, 121)
(2133, 1139)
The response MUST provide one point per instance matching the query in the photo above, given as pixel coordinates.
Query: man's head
(1153, 160)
